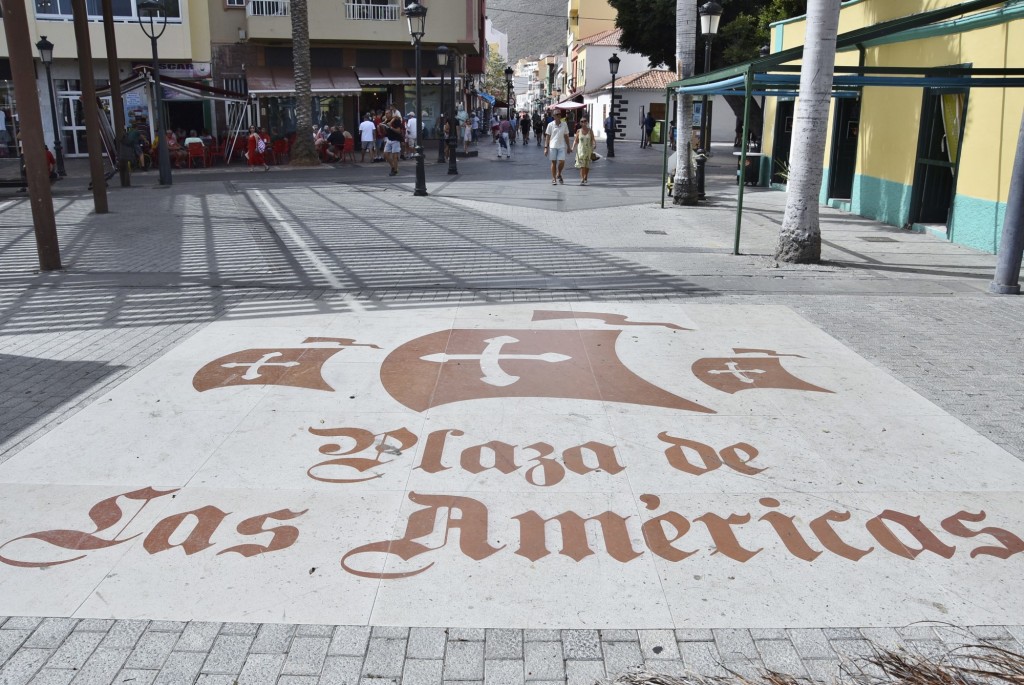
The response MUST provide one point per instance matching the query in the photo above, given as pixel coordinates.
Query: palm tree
(302, 153)
(800, 237)
(684, 188)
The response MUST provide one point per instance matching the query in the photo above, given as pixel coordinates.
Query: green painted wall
(881, 200)
(978, 223)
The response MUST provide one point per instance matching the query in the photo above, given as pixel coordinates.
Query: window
(372, 10)
(123, 10)
(234, 3)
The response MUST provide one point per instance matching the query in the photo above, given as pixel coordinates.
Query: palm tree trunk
(684, 188)
(800, 237)
(303, 153)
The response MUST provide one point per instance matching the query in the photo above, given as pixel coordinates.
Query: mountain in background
(534, 27)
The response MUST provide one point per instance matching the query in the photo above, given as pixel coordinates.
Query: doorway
(843, 163)
(783, 139)
(186, 115)
(938, 155)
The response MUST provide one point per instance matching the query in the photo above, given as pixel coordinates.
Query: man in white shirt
(366, 137)
(411, 131)
(556, 143)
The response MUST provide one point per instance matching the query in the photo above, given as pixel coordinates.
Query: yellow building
(586, 18)
(931, 150)
(184, 53)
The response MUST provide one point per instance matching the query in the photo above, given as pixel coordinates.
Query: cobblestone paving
(135, 289)
(57, 650)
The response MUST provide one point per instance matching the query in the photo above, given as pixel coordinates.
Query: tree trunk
(800, 237)
(303, 153)
(684, 188)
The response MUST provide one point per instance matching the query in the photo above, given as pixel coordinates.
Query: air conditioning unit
(241, 35)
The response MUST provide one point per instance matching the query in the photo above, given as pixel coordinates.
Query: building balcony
(357, 21)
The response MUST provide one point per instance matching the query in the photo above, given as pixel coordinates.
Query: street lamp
(149, 10)
(45, 48)
(416, 14)
(509, 73)
(442, 61)
(613, 66)
(710, 15)
(453, 167)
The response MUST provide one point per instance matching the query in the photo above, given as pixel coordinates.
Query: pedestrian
(504, 133)
(393, 135)
(524, 126)
(556, 142)
(648, 130)
(583, 143)
(609, 129)
(538, 128)
(254, 150)
(411, 131)
(467, 135)
(366, 136)
(476, 126)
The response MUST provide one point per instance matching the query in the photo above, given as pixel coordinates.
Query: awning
(567, 104)
(323, 81)
(487, 98)
(141, 79)
(369, 76)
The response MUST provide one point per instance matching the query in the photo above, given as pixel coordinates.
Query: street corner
(586, 465)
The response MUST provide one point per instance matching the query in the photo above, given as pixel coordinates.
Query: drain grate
(655, 232)
(877, 239)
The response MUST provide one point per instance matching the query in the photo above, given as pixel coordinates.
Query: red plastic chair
(196, 151)
(280, 151)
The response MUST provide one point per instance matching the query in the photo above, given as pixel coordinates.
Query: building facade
(936, 159)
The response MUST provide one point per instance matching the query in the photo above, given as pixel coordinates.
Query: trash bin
(656, 134)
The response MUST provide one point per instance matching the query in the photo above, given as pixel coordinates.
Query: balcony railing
(268, 8)
(368, 12)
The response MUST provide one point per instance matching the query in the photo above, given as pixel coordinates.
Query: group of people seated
(334, 144)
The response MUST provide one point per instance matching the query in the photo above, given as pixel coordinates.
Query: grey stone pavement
(225, 243)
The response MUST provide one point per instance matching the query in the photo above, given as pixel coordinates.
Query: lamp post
(453, 167)
(442, 143)
(509, 73)
(613, 67)
(149, 10)
(416, 14)
(45, 48)
(710, 15)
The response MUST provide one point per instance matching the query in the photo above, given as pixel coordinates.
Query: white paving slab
(519, 466)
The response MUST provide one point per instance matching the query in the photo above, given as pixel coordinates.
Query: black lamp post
(710, 15)
(149, 11)
(45, 48)
(509, 73)
(613, 66)
(416, 14)
(442, 62)
(453, 167)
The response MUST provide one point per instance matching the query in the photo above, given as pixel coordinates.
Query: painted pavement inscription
(633, 466)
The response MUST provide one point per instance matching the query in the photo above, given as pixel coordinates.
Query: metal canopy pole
(30, 123)
(92, 110)
(742, 178)
(1011, 245)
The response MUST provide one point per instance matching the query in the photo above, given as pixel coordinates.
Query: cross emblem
(490, 360)
(732, 369)
(252, 370)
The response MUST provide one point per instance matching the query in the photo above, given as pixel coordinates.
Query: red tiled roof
(652, 79)
(609, 37)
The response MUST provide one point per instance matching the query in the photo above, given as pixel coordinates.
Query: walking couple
(557, 145)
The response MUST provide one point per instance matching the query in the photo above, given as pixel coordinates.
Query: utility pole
(30, 124)
(1011, 245)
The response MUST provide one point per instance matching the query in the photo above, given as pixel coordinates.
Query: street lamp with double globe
(416, 14)
(149, 12)
(45, 48)
(453, 122)
(613, 67)
(509, 73)
(442, 142)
